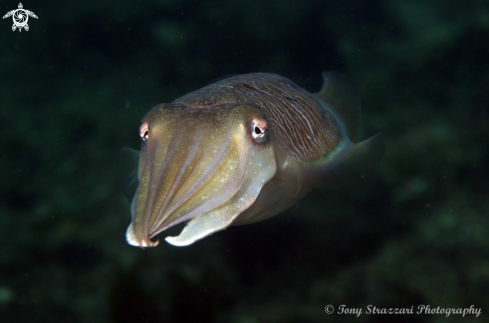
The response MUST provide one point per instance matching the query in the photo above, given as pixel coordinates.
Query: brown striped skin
(298, 125)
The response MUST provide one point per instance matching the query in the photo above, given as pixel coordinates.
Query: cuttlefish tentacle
(240, 151)
(185, 194)
(175, 184)
(186, 170)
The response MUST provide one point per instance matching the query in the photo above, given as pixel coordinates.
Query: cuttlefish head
(205, 166)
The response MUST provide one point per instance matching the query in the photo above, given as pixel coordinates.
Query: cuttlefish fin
(128, 171)
(347, 163)
(340, 98)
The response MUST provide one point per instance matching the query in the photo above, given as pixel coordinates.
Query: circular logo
(20, 17)
(329, 309)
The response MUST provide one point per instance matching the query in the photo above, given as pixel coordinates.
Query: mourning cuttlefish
(239, 151)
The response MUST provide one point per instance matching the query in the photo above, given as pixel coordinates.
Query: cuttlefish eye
(259, 130)
(143, 131)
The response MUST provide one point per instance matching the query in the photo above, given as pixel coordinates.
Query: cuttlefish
(240, 151)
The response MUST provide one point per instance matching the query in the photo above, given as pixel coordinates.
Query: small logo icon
(329, 309)
(20, 17)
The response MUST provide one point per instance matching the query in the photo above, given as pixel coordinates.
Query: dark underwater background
(413, 232)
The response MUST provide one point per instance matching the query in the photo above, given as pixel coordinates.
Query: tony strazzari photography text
(420, 309)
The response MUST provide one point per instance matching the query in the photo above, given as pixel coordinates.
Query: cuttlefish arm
(197, 165)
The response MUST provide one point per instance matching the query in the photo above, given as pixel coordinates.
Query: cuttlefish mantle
(240, 151)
